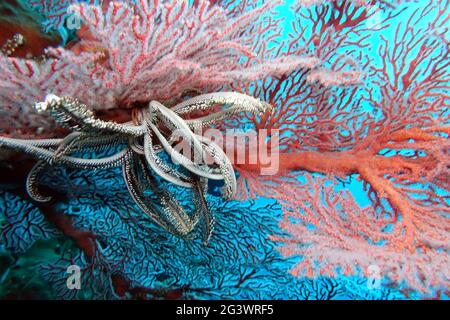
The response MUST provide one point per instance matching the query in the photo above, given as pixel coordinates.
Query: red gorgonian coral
(390, 132)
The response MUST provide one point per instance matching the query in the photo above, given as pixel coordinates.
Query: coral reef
(124, 255)
(139, 156)
(391, 134)
(360, 91)
(131, 52)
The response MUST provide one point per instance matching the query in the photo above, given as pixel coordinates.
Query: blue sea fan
(133, 258)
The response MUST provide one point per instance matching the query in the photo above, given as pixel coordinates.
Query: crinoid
(139, 155)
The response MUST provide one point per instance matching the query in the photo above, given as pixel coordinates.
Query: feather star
(140, 158)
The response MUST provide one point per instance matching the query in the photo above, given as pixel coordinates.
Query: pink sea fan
(332, 234)
(158, 50)
(24, 82)
(135, 51)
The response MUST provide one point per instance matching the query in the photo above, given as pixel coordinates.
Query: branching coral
(131, 52)
(333, 235)
(393, 135)
(174, 54)
(122, 254)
